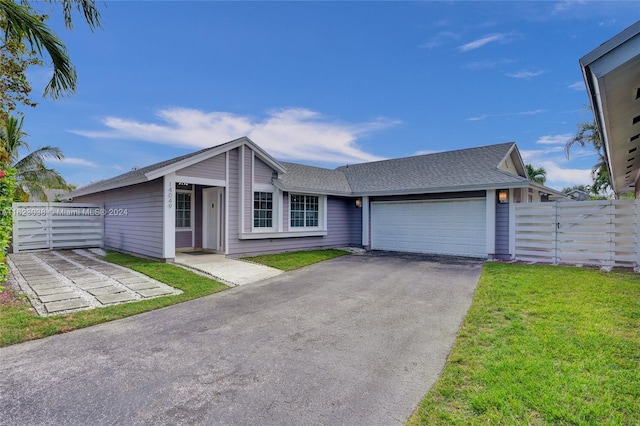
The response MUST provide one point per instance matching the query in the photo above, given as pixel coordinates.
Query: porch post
(169, 217)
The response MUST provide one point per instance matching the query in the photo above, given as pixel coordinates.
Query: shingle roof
(463, 168)
(451, 170)
(301, 177)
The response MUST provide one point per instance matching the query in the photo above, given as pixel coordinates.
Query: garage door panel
(443, 227)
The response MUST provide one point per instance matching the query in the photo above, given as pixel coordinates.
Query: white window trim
(274, 217)
(191, 208)
(322, 214)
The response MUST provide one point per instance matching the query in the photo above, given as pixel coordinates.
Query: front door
(213, 223)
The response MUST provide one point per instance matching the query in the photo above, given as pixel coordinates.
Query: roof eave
(114, 185)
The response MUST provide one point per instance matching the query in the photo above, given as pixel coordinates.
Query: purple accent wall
(261, 172)
(183, 239)
(197, 228)
(211, 168)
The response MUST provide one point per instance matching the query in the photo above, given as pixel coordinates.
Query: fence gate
(601, 233)
(57, 225)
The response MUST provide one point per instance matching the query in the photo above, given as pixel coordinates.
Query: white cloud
(74, 161)
(578, 85)
(526, 74)
(478, 117)
(561, 139)
(425, 152)
(291, 133)
(485, 116)
(531, 112)
(439, 39)
(566, 5)
(560, 172)
(476, 44)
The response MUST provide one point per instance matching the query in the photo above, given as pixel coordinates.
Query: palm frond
(21, 22)
(38, 157)
(12, 137)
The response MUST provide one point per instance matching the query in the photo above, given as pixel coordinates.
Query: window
(183, 210)
(262, 209)
(304, 211)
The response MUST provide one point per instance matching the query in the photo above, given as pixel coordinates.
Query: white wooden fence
(603, 233)
(57, 225)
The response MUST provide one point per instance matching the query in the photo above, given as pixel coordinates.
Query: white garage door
(455, 227)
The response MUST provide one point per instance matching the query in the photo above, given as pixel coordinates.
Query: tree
(32, 176)
(538, 175)
(589, 135)
(25, 40)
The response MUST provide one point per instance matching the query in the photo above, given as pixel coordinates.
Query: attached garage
(452, 227)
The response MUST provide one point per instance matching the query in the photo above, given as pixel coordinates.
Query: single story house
(612, 75)
(236, 199)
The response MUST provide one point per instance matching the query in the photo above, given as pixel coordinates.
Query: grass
(297, 259)
(19, 323)
(543, 345)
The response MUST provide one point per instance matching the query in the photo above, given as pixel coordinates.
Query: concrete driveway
(357, 340)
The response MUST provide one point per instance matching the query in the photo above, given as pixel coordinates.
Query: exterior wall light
(503, 196)
(358, 202)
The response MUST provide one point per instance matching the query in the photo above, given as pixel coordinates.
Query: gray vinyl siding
(285, 211)
(502, 231)
(339, 233)
(184, 239)
(211, 168)
(140, 230)
(233, 198)
(248, 191)
(197, 226)
(355, 223)
(261, 172)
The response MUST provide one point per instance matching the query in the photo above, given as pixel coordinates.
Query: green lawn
(18, 323)
(543, 345)
(296, 259)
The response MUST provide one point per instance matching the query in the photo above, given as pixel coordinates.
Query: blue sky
(325, 83)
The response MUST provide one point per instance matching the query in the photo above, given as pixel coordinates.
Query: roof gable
(163, 168)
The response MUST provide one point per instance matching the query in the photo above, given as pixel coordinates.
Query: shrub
(7, 187)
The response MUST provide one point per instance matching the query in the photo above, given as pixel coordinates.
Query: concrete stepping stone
(106, 299)
(58, 296)
(94, 285)
(65, 305)
(142, 286)
(109, 289)
(49, 290)
(152, 292)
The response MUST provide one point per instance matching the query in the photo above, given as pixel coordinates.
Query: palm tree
(20, 22)
(538, 175)
(588, 134)
(33, 177)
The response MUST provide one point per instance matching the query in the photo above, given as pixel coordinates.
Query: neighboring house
(237, 199)
(612, 76)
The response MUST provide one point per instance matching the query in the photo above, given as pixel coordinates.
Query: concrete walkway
(61, 282)
(229, 271)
